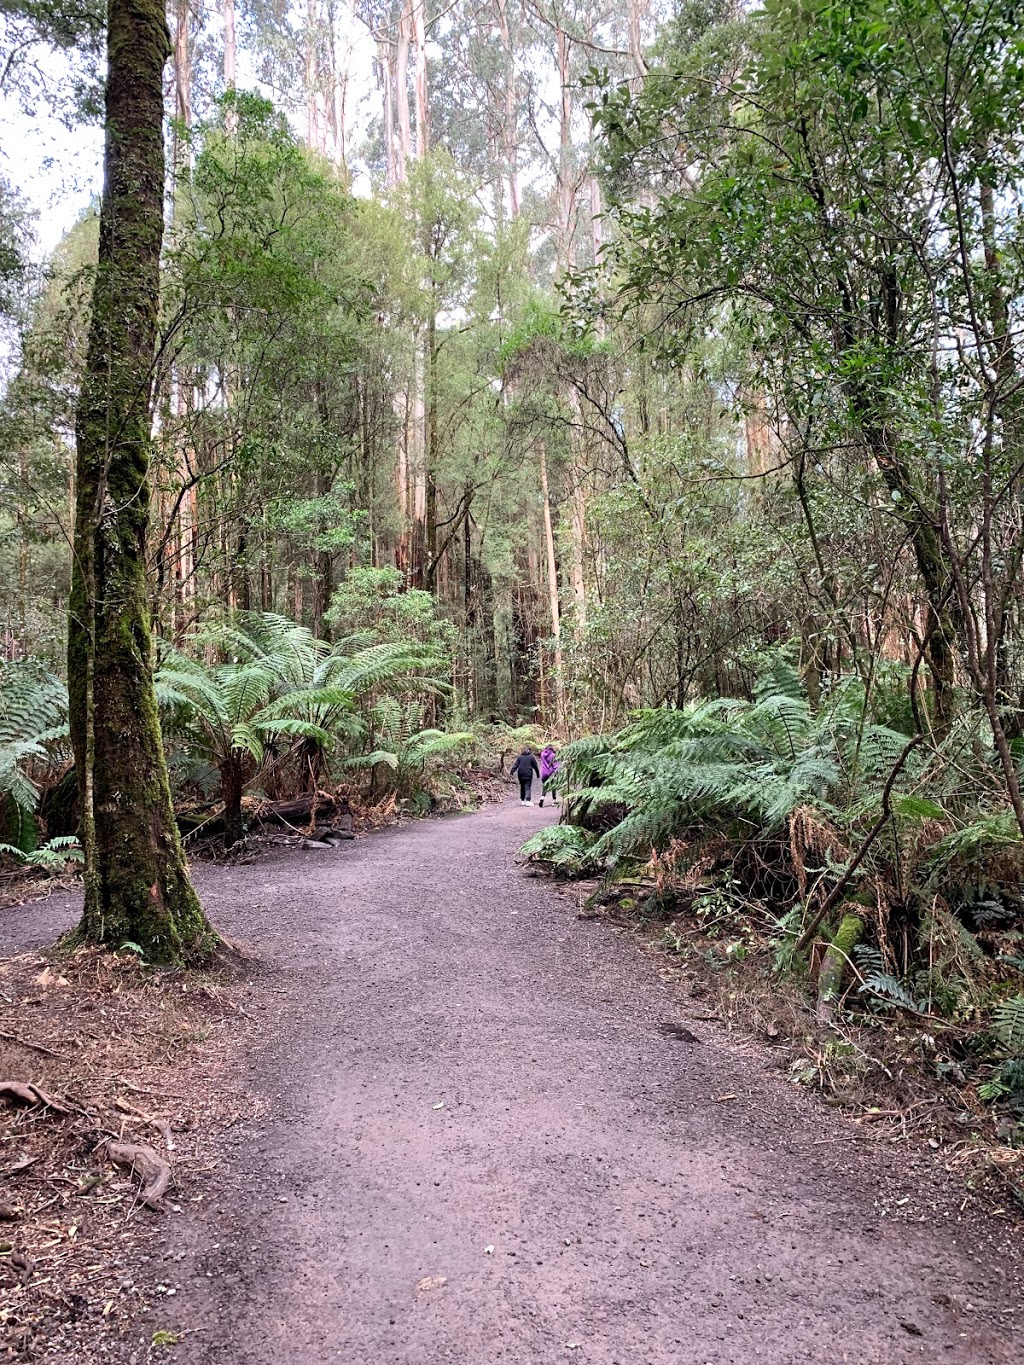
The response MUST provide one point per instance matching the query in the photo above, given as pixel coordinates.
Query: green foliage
(562, 848)
(33, 736)
(281, 693)
(751, 762)
(413, 760)
(1008, 1024)
(51, 51)
(53, 856)
(376, 606)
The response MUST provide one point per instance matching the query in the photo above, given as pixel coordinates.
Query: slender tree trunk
(636, 41)
(402, 94)
(230, 45)
(556, 622)
(430, 449)
(312, 135)
(182, 87)
(335, 105)
(566, 189)
(566, 250)
(510, 128)
(387, 76)
(419, 28)
(136, 879)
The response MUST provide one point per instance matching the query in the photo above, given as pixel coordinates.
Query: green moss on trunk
(835, 963)
(136, 881)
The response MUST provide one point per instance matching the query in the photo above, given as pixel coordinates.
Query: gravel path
(484, 1143)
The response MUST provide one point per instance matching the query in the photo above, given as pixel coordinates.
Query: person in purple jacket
(548, 768)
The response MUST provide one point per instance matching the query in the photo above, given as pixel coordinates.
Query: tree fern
(33, 735)
(725, 760)
(53, 856)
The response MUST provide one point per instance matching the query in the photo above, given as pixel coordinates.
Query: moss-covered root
(835, 963)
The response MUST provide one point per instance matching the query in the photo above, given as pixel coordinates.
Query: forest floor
(456, 1122)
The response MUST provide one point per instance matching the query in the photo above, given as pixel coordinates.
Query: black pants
(525, 786)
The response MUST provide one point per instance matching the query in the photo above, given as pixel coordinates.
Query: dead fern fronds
(811, 834)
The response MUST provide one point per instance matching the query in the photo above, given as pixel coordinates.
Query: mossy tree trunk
(136, 880)
(836, 963)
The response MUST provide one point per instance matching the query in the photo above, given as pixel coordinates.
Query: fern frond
(1008, 1024)
(566, 848)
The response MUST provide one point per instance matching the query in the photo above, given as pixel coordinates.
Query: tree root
(31, 1094)
(153, 1172)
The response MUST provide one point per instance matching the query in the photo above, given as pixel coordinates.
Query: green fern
(53, 856)
(745, 766)
(563, 848)
(1008, 1024)
(33, 736)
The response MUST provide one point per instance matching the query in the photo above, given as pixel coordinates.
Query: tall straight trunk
(182, 86)
(230, 58)
(136, 880)
(566, 189)
(556, 622)
(510, 130)
(424, 533)
(419, 28)
(335, 105)
(566, 252)
(402, 94)
(230, 45)
(430, 450)
(577, 534)
(312, 135)
(180, 539)
(400, 406)
(387, 75)
(636, 41)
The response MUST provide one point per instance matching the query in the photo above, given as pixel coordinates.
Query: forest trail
(483, 1142)
(632, 1217)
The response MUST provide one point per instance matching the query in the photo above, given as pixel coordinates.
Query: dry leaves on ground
(116, 1079)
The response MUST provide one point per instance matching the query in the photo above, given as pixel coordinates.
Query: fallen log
(296, 811)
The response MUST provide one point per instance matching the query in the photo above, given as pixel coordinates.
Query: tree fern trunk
(136, 881)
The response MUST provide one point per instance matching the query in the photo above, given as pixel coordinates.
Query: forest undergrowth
(824, 889)
(272, 735)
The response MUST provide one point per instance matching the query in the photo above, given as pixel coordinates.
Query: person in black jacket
(524, 768)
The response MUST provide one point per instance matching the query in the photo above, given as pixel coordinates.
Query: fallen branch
(161, 1125)
(35, 1047)
(153, 1173)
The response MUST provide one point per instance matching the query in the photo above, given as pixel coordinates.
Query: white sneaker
(527, 803)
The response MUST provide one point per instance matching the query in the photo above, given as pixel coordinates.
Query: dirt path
(482, 1145)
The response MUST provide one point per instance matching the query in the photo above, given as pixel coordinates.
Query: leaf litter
(97, 1127)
